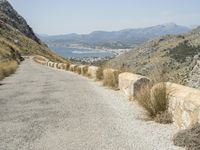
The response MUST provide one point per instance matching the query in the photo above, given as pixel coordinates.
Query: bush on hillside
(184, 50)
(7, 68)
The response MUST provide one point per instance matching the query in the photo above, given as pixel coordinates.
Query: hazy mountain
(116, 39)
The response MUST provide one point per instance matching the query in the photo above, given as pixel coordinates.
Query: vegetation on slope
(184, 50)
(18, 39)
(7, 68)
(174, 53)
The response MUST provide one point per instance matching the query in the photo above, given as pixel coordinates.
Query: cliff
(17, 38)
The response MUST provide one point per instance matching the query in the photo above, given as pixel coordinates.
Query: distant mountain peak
(170, 24)
(126, 38)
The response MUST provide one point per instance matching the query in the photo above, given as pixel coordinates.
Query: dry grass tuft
(7, 68)
(110, 78)
(154, 98)
(78, 70)
(67, 66)
(85, 70)
(164, 118)
(99, 74)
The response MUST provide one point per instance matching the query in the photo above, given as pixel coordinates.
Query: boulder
(93, 72)
(130, 83)
(82, 69)
(184, 104)
(56, 65)
(61, 66)
(73, 67)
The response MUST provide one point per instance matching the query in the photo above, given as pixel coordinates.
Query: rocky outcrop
(9, 16)
(194, 75)
(17, 38)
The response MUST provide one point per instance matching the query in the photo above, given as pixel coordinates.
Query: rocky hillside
(17, 38)
(117, 39)
(176, 57)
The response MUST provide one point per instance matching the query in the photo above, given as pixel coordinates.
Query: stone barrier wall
(184, 102)
(92, 72)
(131, 83)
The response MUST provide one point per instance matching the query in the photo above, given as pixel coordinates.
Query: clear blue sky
(84, 16)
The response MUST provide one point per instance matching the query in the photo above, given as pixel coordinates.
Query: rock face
(17, 38)
(194, 76)
(11, 17)
(130, 83)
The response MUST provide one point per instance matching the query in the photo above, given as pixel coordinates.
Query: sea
(81, 53)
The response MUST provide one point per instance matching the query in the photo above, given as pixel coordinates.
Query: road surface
(46, 109)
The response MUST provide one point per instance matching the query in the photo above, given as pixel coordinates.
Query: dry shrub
(99, 74)
(67, 65)
(76, 69)
(79, 70)
(7, 68)
(164, 118)
(85, 70)
(189, 138)
(154, 98)
(110, 78)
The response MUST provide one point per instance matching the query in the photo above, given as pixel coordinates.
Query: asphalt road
(47, 109)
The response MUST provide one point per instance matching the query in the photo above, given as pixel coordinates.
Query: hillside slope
(177, 56)
(117, 39)
(17, 38)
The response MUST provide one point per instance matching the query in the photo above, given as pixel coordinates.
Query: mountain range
(127, 38)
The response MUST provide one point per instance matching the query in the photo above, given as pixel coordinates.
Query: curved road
(47, 109)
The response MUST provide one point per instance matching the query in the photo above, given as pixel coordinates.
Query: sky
(84, 16)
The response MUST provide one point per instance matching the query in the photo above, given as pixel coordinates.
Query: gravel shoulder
(47, 109)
